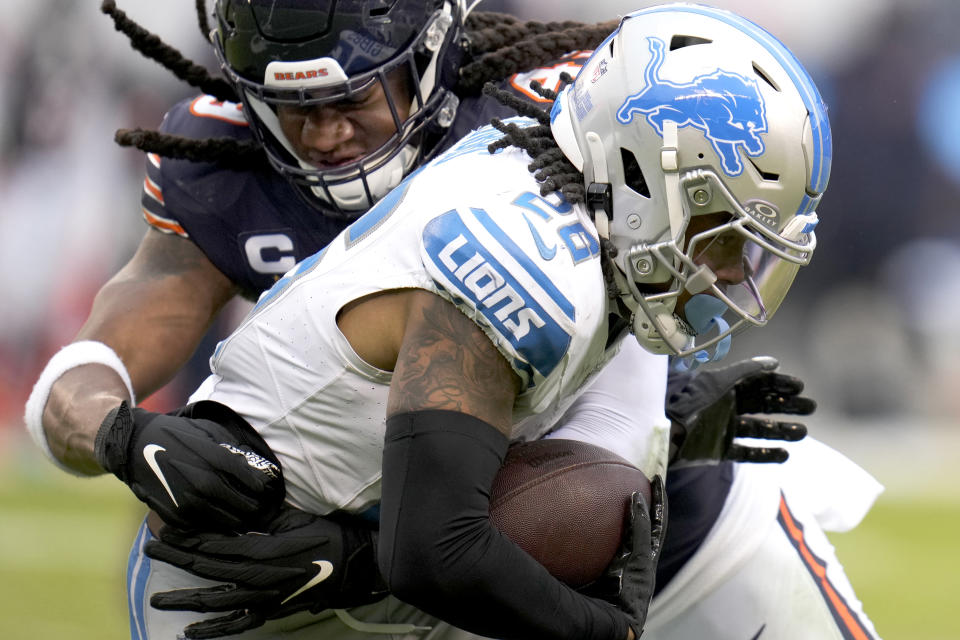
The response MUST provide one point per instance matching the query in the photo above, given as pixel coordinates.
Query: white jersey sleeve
(623, 410)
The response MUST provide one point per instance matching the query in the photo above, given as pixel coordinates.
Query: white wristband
(71, 356)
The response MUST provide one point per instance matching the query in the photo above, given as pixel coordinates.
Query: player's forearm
(439, 551)
(77, 404)
(144, 325)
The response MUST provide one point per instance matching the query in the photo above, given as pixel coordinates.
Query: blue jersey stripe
(521, 257)
(281, 284)
(138, 570)
(469, 271)
(368, 222)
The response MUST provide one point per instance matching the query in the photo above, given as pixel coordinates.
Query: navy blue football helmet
(305, 53)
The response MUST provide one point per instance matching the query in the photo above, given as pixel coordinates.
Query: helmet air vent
(632, 175)
(765, 76)
(767, 176)
(679, 42)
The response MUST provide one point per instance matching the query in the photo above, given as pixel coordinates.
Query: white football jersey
(470, 227)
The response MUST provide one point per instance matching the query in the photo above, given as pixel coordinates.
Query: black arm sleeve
(439, 551)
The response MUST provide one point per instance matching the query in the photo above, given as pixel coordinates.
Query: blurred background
(868, 326)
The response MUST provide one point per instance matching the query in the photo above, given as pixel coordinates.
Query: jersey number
(580, 243)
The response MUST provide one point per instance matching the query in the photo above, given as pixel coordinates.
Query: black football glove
(201, 467)
(629, 580)
(304, 562)
(707, 409)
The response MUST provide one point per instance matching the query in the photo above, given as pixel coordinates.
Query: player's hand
(202, 467)
(708, 410)
(629, 580)
(304, 562)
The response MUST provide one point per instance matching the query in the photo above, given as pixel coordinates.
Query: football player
(268, 237)
(221, 228)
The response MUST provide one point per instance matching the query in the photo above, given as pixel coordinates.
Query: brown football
(565, 503)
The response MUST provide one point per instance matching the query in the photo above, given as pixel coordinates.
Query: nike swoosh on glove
(201, 467)
(303, 562)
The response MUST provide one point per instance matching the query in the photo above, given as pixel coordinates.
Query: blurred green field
(63, 548)
(64, 542)
(904, 562)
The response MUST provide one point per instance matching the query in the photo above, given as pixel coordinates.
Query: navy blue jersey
(252, 224)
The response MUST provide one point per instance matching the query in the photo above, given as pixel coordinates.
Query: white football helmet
(687, 111)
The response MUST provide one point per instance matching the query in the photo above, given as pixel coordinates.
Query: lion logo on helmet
(726, 107)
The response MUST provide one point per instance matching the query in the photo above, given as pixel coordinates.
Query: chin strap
(670, 164)
(654, 325)
(599, 192)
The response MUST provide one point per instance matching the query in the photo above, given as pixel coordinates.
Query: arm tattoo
(447, 362)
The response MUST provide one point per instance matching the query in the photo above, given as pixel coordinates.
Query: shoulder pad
(548, 76)
(206, 117)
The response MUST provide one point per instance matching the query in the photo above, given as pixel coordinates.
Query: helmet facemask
(689, 115)
(725, 275)
(413, 71)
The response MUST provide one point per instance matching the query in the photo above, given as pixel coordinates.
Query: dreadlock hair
(151, 46)
(550, 167)
(510, 47)
(226, 152)
(202, 18)
(499, 45)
